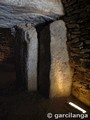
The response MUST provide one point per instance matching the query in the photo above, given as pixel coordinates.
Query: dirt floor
(32, 106)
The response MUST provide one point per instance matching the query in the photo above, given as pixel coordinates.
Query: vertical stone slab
(29, 54)
(60, 74)
(32, 49)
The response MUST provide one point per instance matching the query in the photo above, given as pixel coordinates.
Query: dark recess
(44, 59)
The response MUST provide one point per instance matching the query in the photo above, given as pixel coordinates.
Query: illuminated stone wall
(60, 73)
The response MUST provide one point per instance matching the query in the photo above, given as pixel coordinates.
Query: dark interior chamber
(7, 61)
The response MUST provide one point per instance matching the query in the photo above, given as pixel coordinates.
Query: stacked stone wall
(77, 19)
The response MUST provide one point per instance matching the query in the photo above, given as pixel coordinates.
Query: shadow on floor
(32, 106)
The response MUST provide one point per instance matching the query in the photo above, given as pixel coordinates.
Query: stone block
(28, 54)
(54, 6)
(60, 73)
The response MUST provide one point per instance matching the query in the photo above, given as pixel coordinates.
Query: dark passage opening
(44, 60)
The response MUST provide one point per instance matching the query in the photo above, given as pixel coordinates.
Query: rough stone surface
(21, 11)
(13, 15)
(81, 91)
(45, 5)
(32, 49)
(60, 73)
(77, 21)
(28, 54)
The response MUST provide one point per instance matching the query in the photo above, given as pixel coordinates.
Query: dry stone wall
(77, 18)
